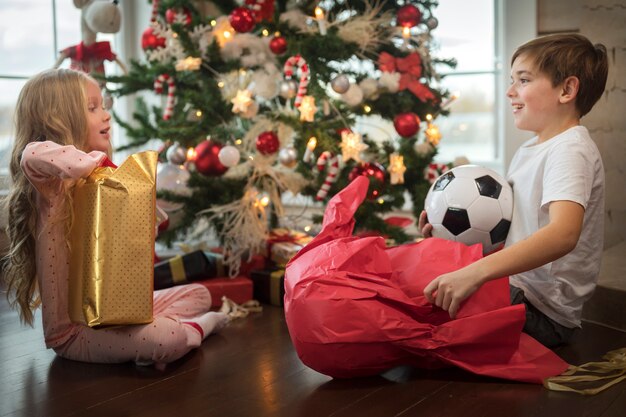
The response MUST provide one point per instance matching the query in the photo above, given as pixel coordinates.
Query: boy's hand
(425, 227)
(449, 290)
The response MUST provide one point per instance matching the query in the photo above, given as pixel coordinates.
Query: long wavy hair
(51, 106)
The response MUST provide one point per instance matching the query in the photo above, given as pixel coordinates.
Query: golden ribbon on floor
(580, 379)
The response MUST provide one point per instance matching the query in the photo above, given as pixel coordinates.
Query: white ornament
(172, 178)
(229, 156)
(369, 86)
(390, 81)
(354, 96)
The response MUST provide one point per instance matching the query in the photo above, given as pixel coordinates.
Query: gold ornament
(242, 101)
(307, 109)
(352, 146)
(188, 64)
(396, 168)
(432, 134)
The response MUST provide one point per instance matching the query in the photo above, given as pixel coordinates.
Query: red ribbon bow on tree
(410, 69)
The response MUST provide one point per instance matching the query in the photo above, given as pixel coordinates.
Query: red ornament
(376, 174)
(164, 225)
(267, 143)
(343, 129)
(242, 20)
(406, 124)
(170, 15)
(278, 45)
(150, 41)
(409, 16)
(206, 159)
(262, 9)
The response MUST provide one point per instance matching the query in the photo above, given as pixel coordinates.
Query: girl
(62, 134)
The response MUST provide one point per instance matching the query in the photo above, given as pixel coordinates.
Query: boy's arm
(548, 244)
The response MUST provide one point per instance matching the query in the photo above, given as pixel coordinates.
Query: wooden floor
(251, 369)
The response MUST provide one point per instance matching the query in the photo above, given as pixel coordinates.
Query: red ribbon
(410, 69)
(90, 58)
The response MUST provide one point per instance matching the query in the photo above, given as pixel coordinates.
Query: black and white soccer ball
(471, 204)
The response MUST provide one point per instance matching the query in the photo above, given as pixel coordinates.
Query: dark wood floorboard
(251, 369)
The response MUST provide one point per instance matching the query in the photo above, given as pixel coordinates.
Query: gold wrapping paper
(112, 244)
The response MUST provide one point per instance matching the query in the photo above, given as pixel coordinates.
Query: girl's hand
(449, 290)
(423, 225)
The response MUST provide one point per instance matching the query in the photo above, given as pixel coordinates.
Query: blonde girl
(62, 134)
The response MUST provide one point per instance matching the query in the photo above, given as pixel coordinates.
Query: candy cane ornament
(155, 7)
(301, 64)
(331, 176)
(435, 170)
(171, 89)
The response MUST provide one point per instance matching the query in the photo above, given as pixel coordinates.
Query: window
(31, 34)
(471, 128)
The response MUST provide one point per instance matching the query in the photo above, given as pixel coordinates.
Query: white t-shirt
(565, 167)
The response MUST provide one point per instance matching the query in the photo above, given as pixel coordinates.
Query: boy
(554, 248)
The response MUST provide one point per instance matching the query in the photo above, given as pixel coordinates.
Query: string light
(367, 109)
(321, 21)
(310, 147)
(265, 32)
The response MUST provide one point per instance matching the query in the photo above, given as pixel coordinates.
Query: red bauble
(267, 143)
(150, 41)
(343, 129)
(406, 124)
(409, 16)
(278, 45)
(242, 20)
(170, 15)
(206, 161)
(376, 174)
(163, 225)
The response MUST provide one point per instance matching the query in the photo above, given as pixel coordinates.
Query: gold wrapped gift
(112, 244)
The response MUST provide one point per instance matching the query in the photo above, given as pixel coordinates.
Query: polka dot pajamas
(51, 168)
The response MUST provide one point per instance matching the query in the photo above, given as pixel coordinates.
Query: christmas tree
(265, 97)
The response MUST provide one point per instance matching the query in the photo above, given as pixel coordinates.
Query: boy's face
(97, 120)
(536, 104)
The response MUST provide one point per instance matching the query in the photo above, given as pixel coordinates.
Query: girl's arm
(548, 244)
(42, 161)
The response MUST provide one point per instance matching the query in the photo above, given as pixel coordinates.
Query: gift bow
(410, 69)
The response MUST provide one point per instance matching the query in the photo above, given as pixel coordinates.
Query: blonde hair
(51, 106)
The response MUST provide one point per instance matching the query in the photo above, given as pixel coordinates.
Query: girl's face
(535, 101)
(98, 118)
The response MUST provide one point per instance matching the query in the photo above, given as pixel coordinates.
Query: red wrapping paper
(238, 289)
(354, 307)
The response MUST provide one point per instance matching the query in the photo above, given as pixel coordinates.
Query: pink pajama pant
(164, 340)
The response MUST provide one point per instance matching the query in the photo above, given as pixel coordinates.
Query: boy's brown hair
(564, 55)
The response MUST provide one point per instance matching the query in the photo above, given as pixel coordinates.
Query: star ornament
(189, 64)
(242, 101)
(396, 168)
(352, 146)
(307, 109)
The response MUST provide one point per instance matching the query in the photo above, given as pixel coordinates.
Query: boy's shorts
(541, 327)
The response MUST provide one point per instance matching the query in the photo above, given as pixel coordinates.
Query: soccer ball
(471, 204)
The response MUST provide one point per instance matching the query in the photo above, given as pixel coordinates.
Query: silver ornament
(176, 154)
(432, 23)
(288, 156)
(340, 84)
(288, 89)
(107, 100)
